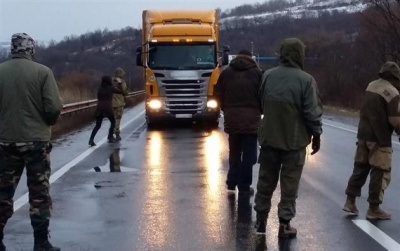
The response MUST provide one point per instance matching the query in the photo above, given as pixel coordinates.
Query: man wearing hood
(118, 99)
(237, 92)
(292, 119)
(379, 116)
(30, 104)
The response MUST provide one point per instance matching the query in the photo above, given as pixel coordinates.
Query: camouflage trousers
(14, 157)
(286, 167)
(118, 116)
(370, 159)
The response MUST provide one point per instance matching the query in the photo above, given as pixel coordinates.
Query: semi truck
(181, 63)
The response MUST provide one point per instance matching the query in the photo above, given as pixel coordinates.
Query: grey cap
(390, 68)
(22, 43)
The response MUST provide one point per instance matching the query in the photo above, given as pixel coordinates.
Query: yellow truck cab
(180, 57)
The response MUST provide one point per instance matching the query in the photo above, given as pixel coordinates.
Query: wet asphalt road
(164, 189)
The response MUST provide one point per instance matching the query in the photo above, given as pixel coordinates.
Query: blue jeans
(242, 157)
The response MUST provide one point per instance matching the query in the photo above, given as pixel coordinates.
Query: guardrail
(83, 105)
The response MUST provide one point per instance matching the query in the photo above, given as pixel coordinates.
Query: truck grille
(184, 96)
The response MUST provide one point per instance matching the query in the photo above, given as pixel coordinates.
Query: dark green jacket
(290, 101)
(29, 100)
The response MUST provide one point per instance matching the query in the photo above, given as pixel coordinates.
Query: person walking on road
(292, 119)
(237, 91)
(118, 100)
(30, 104)
(379, 116)
(104, 108)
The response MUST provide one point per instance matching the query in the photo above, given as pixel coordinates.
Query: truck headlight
(154, 104)
(212, 104)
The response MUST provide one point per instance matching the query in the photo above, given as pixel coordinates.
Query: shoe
(247, 191)
(260, 227)
(91, 143)
(378, 214)
(286, 231)
(231, 189)
(117, 137)
(46, 247)
(112, 140)
(350, 207)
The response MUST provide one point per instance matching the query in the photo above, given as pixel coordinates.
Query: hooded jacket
(105, 95)
(380, 113)
(29, 100)
(237, 92)
(290, 101)
(118, 100)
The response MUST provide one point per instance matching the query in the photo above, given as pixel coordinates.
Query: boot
(91, 140)
(260, 226)
(111, 139)
(287, 231)
(42, 242)
(350, 206)
(2, 247)
(117, 137)
(91, 143)
(376, 213)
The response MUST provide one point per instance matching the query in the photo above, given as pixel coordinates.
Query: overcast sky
(45, 20)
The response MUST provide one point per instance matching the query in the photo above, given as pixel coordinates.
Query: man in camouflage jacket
(379, 116)
(29, 105)
(118, 100)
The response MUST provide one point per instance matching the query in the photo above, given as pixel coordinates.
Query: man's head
(22, 43)
(292, 52)
(245, 52)
(390, 70)
(119, 72)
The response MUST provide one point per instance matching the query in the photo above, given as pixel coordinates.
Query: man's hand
(315, 144)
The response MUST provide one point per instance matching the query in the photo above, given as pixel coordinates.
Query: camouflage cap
(390, 68)
(22, 43)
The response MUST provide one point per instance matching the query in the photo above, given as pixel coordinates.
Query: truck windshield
(182, 56)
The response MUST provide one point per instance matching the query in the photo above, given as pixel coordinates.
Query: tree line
(344, 51)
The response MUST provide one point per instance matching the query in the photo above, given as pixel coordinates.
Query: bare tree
(382, 20)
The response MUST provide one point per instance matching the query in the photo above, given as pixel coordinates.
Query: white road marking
(377, 235)
(60, 172)
(349, 130)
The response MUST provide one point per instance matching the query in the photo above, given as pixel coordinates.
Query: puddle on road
(113, 164)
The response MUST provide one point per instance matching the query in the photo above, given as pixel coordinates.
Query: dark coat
(237, 91)
(104, 100)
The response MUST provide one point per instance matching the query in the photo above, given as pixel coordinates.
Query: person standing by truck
(118, 100)
(237, 93)
(104, 108)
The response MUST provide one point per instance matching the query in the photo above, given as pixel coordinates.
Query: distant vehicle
(181, 60)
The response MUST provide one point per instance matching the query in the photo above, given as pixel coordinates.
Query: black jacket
(104, 99)
(237, 91)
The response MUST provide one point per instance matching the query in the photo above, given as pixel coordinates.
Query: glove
(315, 144)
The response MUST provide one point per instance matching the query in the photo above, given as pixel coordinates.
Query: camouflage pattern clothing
(35, 156)
(118, 100)
(379, 117)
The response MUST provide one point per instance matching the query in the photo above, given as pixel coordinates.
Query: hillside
(344, 56)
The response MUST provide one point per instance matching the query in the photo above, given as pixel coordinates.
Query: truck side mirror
(139, 61)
